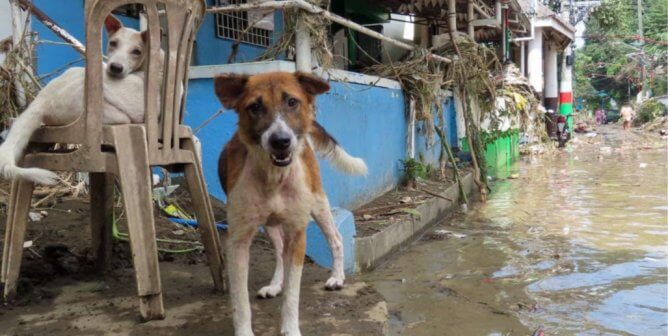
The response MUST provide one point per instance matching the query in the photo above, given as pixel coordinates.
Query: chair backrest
(164, 95)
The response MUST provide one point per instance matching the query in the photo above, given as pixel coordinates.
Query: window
(234, 25)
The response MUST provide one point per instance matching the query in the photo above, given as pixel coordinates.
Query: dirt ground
(397, 204)
(59, 294)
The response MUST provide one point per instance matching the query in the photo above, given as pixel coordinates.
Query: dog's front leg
(274, 288)
(322, 215)
(238, 249)
(293, 258)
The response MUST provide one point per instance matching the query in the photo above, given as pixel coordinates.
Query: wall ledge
(252, 68)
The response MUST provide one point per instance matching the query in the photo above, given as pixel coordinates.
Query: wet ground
(60, 294)
(576, 245)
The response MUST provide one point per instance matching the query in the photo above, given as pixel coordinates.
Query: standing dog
(271, 177)
(62, 101)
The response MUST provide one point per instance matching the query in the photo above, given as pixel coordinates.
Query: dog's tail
(326, 145)
(17, 140)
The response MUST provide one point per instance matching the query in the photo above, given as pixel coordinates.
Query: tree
(614, 54)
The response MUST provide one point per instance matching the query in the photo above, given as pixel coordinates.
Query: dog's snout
(280, 141)
(115, 68)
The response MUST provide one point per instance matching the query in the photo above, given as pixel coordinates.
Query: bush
(648, 111)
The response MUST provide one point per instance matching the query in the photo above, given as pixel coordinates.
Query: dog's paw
(268, 292)
(335, 283)
(290, 332)
(244, 332)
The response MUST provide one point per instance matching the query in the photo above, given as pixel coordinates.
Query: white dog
(62, 101)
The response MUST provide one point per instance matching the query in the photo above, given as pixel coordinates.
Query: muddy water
(577, 245)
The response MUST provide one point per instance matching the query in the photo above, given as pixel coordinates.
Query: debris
(539, 332)
(414, 213)
(442, 232)
(35, 216)
(406, 199)
(643, 165)
(174, 211)
(435, 194)
(514, 176)
(27, 244)
(178, 232)
(367, 217)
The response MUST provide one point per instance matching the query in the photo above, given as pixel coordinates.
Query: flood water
(577, 244)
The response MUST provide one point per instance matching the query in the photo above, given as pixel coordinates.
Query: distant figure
(627, 113)
(600, 117)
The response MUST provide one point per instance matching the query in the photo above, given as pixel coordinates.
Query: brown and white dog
(270, 174)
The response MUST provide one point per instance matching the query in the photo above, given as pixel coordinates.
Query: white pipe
(452, 16)
(497, 12)
(470, 16)
(535, 62)
(550, 58)
(302, 48)
(313, 9)
(523, 64)
(18, 28)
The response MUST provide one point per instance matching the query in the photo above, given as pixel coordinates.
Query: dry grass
(317, 27)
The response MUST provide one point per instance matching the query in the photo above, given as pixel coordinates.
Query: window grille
(233, 25)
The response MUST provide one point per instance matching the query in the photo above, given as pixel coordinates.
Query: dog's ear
(311, 84)
(145, 36)
(229, 88)
(112, 24)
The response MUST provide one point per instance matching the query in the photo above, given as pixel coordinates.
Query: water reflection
(577, 244)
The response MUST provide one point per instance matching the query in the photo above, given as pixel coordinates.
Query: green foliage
(648, 111)
(614, 55)
(414, 169)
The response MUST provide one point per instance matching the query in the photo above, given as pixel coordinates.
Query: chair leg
(17, 220)
(204, 214)
(11, 205)
(134, 173)
(101, 210)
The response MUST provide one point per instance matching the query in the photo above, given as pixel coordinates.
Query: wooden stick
(313, 9)
(434, 194)
(49, 23)
(482, 187)
(458, 178)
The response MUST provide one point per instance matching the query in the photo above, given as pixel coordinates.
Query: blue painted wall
(369, 122)
(52, 55)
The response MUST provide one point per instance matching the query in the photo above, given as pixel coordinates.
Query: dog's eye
(292, 102)
(136, 52)
(113, 44)
(255, 108)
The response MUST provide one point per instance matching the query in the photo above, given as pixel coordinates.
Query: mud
(60, 294)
